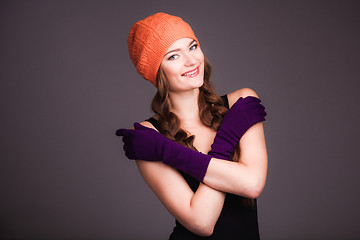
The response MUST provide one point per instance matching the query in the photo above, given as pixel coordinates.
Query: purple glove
(240, 117)
(144, 143)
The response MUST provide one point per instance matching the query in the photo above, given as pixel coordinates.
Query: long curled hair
(211, 107)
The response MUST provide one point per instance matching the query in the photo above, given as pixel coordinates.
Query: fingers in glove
(123, 132)
(250, 99)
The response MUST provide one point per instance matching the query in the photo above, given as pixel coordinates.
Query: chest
(204, 137)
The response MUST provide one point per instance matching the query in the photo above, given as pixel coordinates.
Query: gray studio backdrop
(67, 84)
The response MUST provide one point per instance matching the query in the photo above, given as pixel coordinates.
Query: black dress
(236, 221)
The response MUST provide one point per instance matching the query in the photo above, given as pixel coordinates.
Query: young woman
(206, 164)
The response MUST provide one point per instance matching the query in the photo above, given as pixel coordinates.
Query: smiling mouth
(192, 73)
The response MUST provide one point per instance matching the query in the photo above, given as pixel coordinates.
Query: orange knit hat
(150, 38)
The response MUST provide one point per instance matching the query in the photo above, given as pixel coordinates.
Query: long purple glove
(240, 117)
(144, 143)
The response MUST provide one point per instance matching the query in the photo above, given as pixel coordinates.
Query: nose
(189, 59)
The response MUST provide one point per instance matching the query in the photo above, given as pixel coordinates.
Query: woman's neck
(185, 105)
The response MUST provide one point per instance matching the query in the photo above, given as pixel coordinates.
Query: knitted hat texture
(150, 38)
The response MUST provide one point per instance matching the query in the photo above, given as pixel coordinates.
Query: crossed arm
(199, 211)
(246, 177)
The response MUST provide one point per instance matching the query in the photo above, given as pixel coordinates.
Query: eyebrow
(178, 49)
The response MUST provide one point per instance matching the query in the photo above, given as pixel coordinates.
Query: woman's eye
(193, 47)
(173, 57)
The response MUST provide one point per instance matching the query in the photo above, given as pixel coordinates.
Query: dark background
(67, 84)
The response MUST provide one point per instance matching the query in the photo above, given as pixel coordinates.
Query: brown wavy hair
(211, 107)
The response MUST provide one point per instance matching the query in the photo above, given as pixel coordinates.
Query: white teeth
(190, 73)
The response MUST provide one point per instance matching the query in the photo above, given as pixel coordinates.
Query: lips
(192, 73)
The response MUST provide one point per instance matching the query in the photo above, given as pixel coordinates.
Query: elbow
(254, 192)
(204, 230)
(256, 189)
(252, 189)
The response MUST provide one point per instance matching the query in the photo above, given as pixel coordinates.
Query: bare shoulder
(148, 125)
(243, 92)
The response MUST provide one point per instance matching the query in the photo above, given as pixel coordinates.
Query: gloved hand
(144, 143)
(240, 117)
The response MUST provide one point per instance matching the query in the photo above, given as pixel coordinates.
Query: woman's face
(183, 65)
